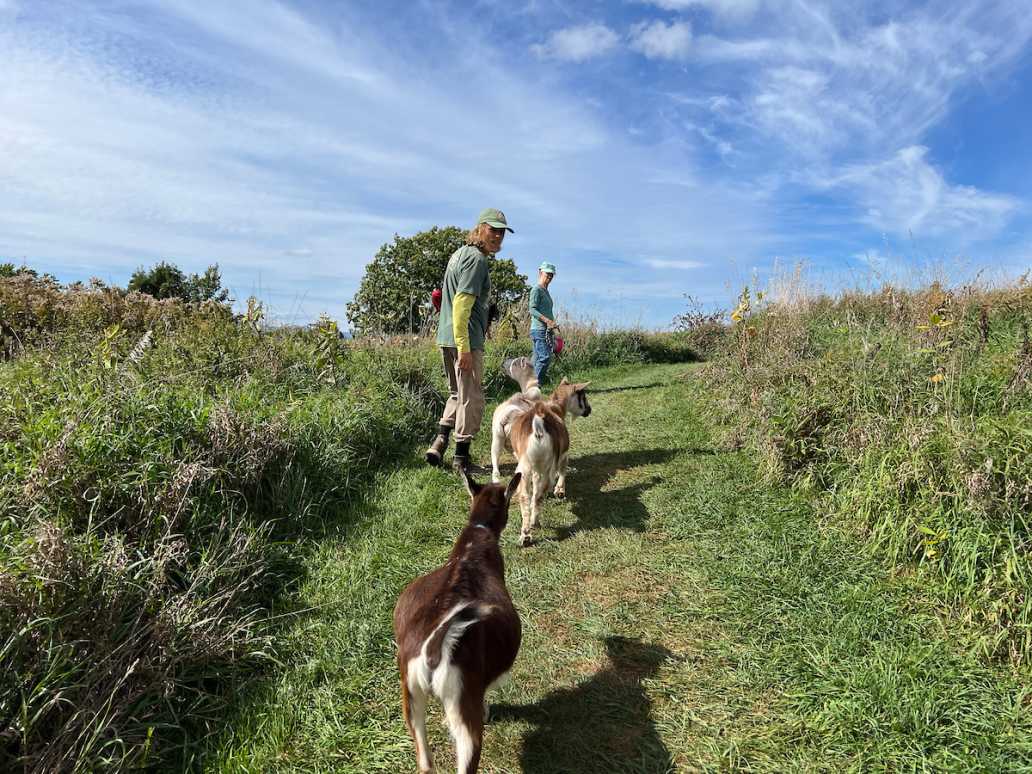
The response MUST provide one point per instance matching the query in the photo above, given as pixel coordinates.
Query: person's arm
(462, 308)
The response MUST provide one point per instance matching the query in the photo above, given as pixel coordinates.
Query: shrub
(153, 489)
(394, 295)
(166, 280)
(704, 331)
(35, 310)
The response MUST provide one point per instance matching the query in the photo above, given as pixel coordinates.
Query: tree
(394, 295)
(8, 270)
(166, 280)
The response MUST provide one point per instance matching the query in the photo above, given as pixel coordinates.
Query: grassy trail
(678, 616)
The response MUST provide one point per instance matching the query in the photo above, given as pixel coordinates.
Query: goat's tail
(433, 670)
(539, 427)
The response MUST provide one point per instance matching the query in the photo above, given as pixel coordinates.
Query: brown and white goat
(521, 371)
(536, 432)
(458, 632)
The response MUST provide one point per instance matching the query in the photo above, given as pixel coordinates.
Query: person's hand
(552, 324)
(466, 361)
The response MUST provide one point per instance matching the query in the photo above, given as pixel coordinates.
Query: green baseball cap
(547, 268)
(495, 219)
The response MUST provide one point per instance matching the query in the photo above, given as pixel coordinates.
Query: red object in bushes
(558, 346)
(435, 297)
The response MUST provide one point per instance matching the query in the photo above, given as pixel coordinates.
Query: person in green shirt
(461, 331)
(542, 319)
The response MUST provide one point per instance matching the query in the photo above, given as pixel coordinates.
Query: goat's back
(523, 430)
(472, 578)
(506, 414)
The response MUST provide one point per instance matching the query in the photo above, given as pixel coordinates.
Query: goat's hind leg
(501, 680)
(526, 494)
(497, 447)
(560, 484)
(413, 707)
(465, 716)
(541, 483)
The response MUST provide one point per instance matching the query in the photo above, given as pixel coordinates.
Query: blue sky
(650, 148)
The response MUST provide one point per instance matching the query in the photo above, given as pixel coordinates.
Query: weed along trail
(678, 615)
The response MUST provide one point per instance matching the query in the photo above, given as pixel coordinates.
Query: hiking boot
(435, 453)
(463, 464)
(462, 461)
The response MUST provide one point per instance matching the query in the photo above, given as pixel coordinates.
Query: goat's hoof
(525, 539)
(560, 493)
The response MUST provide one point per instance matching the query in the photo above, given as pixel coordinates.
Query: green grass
(166, 471)
(909, 415)
(679, 615)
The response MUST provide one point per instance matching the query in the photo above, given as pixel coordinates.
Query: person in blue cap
(542, 320)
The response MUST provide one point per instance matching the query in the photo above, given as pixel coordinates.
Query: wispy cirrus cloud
(729, 9)
(850, 99)
(906, 194)
(657, 263)
(839, 80)
(287, 140)
(176, 133)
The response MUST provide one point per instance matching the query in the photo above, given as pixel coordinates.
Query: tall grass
(162, 468)
(154, 485)
(911, 412)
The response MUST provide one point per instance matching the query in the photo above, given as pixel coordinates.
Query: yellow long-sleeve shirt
(462, 308)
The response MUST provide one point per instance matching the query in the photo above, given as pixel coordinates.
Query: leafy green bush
(912, 412)
(166, 280)
(394, 295)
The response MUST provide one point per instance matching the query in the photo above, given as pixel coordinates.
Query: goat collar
(483, 526)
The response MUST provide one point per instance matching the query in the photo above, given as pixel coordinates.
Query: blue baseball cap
(547, 268)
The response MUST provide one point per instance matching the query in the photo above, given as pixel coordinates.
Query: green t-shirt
(540, 306)
(466, 273)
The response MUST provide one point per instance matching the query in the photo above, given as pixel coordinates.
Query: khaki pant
(465, 407)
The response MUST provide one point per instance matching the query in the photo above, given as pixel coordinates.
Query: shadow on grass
(628, 387)
(603, 724)
(623, 508)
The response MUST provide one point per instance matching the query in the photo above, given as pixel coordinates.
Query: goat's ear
(471, 486)
(564, 380)
(510, 490)
(582, 386)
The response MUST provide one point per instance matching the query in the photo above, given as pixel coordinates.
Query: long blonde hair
(475, 238)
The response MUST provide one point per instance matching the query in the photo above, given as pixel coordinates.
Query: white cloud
(657, 263)
(823, 79)
(905, 194)
(729, 9)
(204, 144)
(659, 40)
(578, 44)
